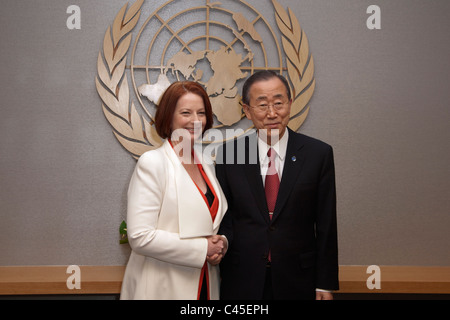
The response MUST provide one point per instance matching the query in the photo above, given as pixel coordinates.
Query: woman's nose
(198, 124)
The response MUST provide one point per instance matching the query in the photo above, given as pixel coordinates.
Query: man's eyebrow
(277, 96)
(261, 98)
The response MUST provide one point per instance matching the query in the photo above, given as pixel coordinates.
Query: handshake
(217, 247)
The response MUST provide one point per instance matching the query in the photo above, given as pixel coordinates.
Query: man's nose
(271, 112)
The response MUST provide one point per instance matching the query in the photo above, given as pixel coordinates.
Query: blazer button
(271, 228)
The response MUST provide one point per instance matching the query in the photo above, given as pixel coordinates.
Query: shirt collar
(280, 148)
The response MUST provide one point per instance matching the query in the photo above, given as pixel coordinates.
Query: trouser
(268, 290)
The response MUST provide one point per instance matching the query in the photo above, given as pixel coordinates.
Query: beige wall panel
(381, 100)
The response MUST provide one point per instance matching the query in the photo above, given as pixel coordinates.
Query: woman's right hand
(215, 250)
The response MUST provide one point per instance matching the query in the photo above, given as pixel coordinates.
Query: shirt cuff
(322, 290)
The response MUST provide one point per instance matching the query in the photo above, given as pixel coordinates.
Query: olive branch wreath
(137, 134)
(300, 64)
(134, 132)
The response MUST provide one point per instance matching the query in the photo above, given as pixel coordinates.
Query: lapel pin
(294, 158)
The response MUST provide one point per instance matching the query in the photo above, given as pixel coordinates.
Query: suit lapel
(253, 174)
(292, 166)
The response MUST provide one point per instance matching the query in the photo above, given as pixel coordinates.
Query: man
(282, 242)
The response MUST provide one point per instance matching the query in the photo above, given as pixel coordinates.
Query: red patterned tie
(272, 183)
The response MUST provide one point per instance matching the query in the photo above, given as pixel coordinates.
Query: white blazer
(167, 222)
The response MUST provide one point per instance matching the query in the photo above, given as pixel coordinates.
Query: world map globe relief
(212, 45)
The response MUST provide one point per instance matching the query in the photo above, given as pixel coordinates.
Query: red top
(213, 210)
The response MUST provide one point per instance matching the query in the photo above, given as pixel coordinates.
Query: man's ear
(289, 106)
(247, 111)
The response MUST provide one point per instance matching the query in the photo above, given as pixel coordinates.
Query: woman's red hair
(166, 109)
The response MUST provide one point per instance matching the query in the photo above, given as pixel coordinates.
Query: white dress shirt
(280, 149)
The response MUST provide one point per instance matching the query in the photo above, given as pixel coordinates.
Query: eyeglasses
(264, 107)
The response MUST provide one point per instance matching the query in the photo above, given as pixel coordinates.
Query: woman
(175, 206)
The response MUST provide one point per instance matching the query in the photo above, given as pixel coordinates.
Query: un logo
(214, 44)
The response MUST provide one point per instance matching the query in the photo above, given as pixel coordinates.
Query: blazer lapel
(292, 166)
(193, 213)
(210, 173)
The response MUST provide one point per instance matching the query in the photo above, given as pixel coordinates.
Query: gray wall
(381, 100)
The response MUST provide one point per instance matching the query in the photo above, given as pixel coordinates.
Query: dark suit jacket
(302, 236)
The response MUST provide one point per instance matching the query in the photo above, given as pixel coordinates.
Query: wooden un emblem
(204, 42)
